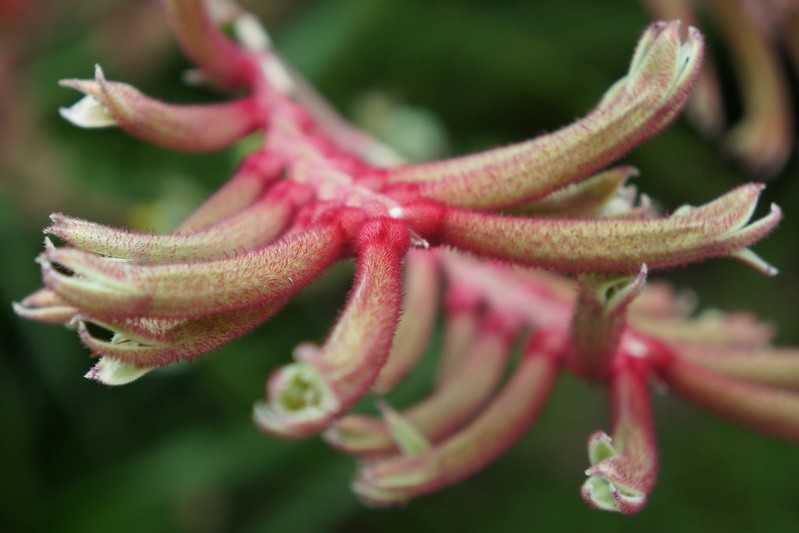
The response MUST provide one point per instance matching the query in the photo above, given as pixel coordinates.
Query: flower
(319, 191)
(754, 30)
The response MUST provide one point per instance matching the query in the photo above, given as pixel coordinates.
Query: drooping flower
(319, 191)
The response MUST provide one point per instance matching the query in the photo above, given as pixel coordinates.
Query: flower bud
(624, 467)
(717, 229)
(188, 128)
(416, 323)
(396, 480)
(252, 228)
(452, 404)
(156, 343)
(304, 397)
(656, 87)
(103, 287)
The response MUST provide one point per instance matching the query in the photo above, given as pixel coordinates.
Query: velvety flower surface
(494, 231)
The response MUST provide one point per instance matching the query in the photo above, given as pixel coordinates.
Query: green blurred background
(176, 451)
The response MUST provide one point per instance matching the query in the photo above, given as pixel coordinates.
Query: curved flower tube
(305, 396)
(624, 466)
(451, 405)
(183, 128)
(661, 75)
(716, 229)
(514, 410)
(251, 228)
(105, 287)
(416, 323)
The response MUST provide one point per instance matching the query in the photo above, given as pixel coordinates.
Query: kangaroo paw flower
(623, 467)
(397, 480)
(752, 30)
(333, 380)
(416, 323)
(105, 287)
(452, 404)
(190, 128)
(705, 108)
(716, 229)
(159, 343)
(251, 228)
(661, 75)
(319, 190)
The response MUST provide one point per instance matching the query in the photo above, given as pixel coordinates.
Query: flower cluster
(755, 30)
(319, 191)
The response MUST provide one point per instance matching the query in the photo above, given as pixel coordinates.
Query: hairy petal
(624, 467)
(253, 227)
(105, 287)
(417, 320)
(452, 404)
(110, 371)
(705, 108)
(506, 419)
(716, 229)
(156, 343)
(304, 397)
(189, 128)
(661, 75)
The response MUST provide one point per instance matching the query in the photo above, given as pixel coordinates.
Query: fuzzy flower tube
(482, 228)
